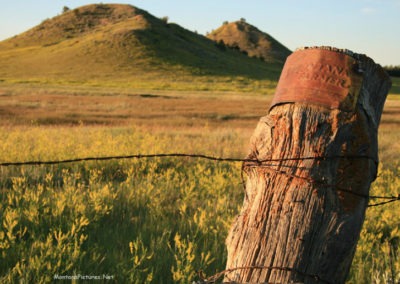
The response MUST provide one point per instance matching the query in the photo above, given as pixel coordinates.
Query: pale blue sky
(364, 26)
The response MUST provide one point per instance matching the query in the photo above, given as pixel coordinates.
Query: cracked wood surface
(306, 215)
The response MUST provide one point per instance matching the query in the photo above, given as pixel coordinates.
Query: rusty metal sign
(319, 76)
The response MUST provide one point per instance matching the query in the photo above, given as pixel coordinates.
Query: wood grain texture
(305, 216)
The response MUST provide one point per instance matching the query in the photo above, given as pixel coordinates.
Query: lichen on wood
(304, 211)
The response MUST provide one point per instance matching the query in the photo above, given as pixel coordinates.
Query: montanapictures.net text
(83, 277)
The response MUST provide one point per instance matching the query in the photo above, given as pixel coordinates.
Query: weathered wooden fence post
(316, 153)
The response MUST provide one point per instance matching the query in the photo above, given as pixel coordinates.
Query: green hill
(120, 44)
(251, 40)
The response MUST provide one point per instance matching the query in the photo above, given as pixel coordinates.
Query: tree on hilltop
(65, 9)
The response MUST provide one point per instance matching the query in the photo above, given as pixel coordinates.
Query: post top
(322, 75)
(346, 51)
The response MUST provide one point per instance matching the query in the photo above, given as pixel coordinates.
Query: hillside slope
(112, 42)
(251, 40)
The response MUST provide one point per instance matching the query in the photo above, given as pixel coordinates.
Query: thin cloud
(368, 11)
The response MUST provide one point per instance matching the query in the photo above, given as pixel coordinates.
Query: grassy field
(154, 220)
(27, 105)
(120, 45)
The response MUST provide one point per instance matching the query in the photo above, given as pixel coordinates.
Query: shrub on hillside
(393, 70)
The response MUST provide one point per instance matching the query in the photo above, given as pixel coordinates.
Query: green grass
(127, 47)
(140, 221)
(143, 221)
(135, 220)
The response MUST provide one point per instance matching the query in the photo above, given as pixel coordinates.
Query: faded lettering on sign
(320, 77)
(325, 73)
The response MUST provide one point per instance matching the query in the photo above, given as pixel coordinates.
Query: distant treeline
(393, 70)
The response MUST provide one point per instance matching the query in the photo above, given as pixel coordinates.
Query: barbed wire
(170, 155)
(265, 163)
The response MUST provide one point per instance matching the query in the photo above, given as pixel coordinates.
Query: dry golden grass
(29, 105)
(159, 111)
(162, 109)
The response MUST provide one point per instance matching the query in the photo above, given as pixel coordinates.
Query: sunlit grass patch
(135, 219)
